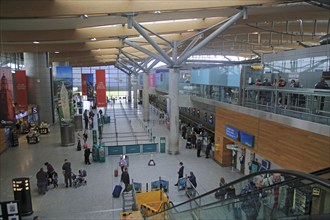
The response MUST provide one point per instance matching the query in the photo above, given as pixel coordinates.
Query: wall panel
(289, 147)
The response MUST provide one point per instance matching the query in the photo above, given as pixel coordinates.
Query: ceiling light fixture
(36, 42)
(84, 16)
(157, 12)
(93, 39)
(56, 52)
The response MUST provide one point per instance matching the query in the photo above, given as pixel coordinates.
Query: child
(55, 180)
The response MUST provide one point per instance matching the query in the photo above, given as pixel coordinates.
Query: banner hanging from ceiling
(21, 90)
(83, 84)
(101, 98)
(7, 112)
(63, 91)
(90, 87)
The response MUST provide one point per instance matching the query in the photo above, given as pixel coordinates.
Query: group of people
(192, 178)
(263, 96)
(88, 119)
(257, 192)
(44, 179)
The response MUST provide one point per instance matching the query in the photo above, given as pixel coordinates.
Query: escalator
(296, 195)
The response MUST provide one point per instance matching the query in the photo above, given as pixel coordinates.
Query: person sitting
(192, 179)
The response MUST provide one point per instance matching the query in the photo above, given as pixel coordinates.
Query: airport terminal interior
(139, 109)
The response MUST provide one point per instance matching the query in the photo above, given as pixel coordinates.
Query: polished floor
(94, 200)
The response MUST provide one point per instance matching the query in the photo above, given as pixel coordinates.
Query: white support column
(145, 97)
(174, 111)
(135, 80)
(39, 86)
(129, 84)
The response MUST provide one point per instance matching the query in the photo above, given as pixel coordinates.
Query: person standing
(322, 85)
(67, 173)
(199, 147)
(86, 119)
(50, 170)
(125, 178)
(220, 194)
(91, 119)
(86, 154)
(193, 139)
(42, 179)
(208, 148)
(180, 172)
(252, 195)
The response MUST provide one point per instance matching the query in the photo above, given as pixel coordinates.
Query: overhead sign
(232, 132)
(246, 139)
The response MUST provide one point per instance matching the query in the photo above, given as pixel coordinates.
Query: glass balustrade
(281, 194)
(306, 104)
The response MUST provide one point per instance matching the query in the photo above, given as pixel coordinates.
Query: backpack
(123, 163)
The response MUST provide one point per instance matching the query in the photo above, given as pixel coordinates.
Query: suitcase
(115, 172)
(116, 191)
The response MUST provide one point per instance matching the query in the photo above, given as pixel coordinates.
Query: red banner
(83, 84)
(21, 93)
(101, 99)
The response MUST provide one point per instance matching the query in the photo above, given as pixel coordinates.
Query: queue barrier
(133, 148)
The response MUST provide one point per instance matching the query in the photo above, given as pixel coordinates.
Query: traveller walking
(125, 178)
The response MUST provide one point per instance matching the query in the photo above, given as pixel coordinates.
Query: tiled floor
(94, 200)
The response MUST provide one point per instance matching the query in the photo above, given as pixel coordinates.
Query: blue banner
(90, 87)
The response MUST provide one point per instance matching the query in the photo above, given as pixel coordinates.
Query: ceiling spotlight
(56, 52)
(157, 12)
(93, 39)
(84, 16)
(36, 42)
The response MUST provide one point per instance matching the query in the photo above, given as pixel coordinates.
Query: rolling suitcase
(116, 191)
(115, 172)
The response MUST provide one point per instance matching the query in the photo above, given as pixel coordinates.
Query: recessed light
(93, 39)
(56, 52)
(36, 42)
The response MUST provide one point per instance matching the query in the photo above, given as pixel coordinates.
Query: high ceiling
(92, 32)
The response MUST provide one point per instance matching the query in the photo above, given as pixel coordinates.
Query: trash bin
(95, 153)
(78, 123)
(102, 153)
(67, 135)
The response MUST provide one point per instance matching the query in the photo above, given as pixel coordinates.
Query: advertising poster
(63, 91)
(151, 80)
(90, 87)
(101, 100)
(6, 95)
(21, 93)
(83, 84)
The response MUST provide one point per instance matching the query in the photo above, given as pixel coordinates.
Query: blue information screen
(247, 139)
(232, 132)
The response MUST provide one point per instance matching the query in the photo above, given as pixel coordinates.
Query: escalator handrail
(297, 174)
